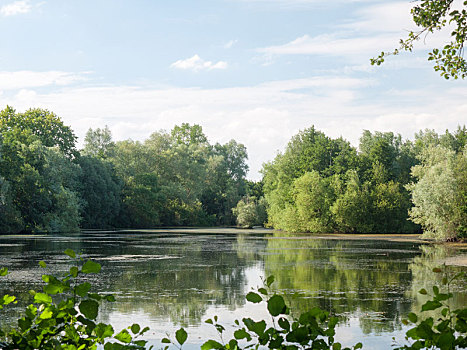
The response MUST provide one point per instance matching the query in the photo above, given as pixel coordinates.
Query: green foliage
(439, 194)
(179, 179)
(64, 315)
(432, 16)
(98, 143)
(38, 124)
(250, 212)
(314, 329)
(39, 178)
(174, 178)
(101, 192)
(446, 331)
(324, 185)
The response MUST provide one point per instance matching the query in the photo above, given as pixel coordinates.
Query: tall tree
(98, 143)
(38, 124)
(439, 195)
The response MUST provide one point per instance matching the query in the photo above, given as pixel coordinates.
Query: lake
(170, 278)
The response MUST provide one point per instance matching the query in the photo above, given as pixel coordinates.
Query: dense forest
(170, 179)
(318, 184)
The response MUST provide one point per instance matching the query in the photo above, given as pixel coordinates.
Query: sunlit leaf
(71, 253)
(91, 267)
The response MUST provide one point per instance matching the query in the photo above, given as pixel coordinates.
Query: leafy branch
(431, 16)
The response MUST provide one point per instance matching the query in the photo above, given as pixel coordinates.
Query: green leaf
(104, 330)
(446, 341)
(124, 336)
(3, 271)
(211, 344)
(431, 305)
(110, 298)
(89, 308)
(269, 281)
(83, 289)
(412, 317)
(241, 334)
(42, 264)
(284, 323)
(276, 305)
(54, 286)
(165, 340)
(42, 298)
(181, 336)
(437, 270)
(423, 291)
(91, 267)
(135, 328)
(233, 344)
(254, 297)
(74, 271)
(263, 291)
(70, 253)
(8, 299)
(46, 314)
(298, 335)
(256, 327)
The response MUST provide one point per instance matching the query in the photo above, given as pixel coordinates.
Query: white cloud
(230, 44)
(196, 64)
(15, 8)
(29, 79)
(263, 117)
(333, 44)
(371, 30)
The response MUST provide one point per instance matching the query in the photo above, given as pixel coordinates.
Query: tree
(438, 15)
(250, 212)
(38, 124)
(10, 217)
(101, 190)
(439, 195)
(98, 143)
(312, 200)
(45, 190)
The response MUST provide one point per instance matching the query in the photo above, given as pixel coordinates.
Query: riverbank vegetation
(388, 185)
(177, 178)
(171, 179)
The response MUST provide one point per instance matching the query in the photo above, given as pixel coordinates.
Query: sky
(257, 71)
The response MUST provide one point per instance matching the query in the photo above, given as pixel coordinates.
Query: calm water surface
(169, 278)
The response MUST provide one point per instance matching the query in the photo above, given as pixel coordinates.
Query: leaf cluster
(448, 331)
(431, 16)
(64, 315)
(314, 329)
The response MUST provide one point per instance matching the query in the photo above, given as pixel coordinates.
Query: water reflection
(350, 277)
(166, 279)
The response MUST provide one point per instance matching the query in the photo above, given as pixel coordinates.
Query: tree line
(318, 184)
(388, 185)
(170, 179)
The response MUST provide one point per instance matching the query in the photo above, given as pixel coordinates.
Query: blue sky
(257, 71)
